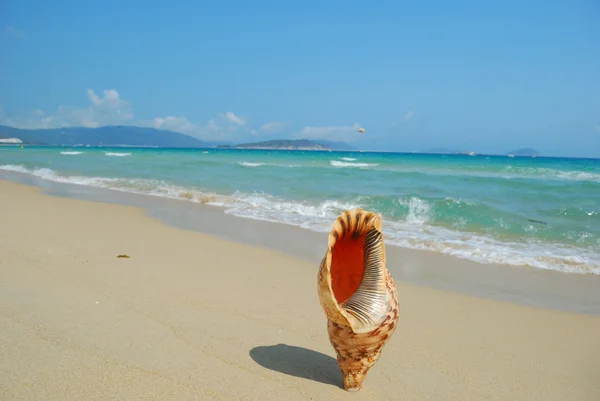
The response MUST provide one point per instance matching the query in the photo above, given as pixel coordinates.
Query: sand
(192, 316)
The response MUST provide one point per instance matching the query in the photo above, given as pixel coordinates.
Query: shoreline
(195, 316)
(527, 286)
(566, 246)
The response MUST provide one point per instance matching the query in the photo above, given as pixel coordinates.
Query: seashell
(358, 294)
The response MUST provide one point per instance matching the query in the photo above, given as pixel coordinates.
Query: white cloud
(222, 129)
(226, 127)
(11, 30)
(231, 117)
(109, 109)
(272, 126)
(177, 124)
(347, 133)
(408, 116)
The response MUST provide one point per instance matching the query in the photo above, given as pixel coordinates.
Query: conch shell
(357, 294)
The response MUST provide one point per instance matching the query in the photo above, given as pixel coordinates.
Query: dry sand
(190, 316)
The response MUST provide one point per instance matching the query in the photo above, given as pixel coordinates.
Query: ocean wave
(485, 249)
(509, 174)
(70, 153)
(117, 154)
(337, 163)
(419, 211)
(506, 173)
(261, 164)
(550, 173)
(132, 185)
(413, 232)
(249, 164)
(414, 226)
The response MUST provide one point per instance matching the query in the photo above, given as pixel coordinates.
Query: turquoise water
(539, 212)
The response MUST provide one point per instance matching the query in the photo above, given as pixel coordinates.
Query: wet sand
(196, 316)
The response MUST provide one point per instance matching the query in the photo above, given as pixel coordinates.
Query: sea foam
(337, 163)
(413, 228)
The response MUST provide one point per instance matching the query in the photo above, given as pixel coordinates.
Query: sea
(518, 211)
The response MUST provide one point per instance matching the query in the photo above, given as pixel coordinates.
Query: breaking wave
(337, 163)
(440, 225)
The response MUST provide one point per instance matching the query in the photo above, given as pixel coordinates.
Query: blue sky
(465, 74)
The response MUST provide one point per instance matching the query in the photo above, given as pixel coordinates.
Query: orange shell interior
(347, 266)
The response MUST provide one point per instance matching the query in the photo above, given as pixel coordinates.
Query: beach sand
(192, 316)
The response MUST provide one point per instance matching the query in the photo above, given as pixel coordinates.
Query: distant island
(524, 152)
(111, 135)
(129, 135)
(292, 144)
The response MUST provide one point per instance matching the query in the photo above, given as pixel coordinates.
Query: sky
(470, 75)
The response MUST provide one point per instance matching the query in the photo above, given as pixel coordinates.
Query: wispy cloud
(171, 123)
(272, 126)
(408, 116)
(108, 108)
(221, 128)
(230, 116)
(11, 30)
(597, 127)
(346, 133)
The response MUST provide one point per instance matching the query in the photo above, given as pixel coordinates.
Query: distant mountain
(104, 136)
(524, 152)
(291, 144)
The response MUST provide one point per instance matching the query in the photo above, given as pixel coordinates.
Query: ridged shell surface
(359, 326)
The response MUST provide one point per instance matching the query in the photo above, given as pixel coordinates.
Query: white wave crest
(419, 210)
(15, 168)
(70, 153)
(253, 204)
(136, 185)
(550, 173)
(348, 159)
(337, 163)
(413, 232)
(117, 154)
(259, 164)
